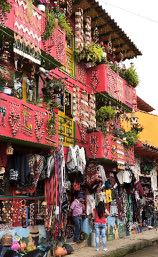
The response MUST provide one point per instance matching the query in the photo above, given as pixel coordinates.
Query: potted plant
(64, 24)
(55, 17)
(53, 87)
(105, 113)
(91, 55)
(131, 76)
(50, 24)
(131, 138)
(57, 85)
(104, 117)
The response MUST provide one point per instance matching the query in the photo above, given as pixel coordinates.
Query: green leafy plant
(138, 128)
(146, 167)
(131, 76)
(105, 113)
(64, 24)
(93, 53)
(5, 6)
(53, 87)
(50, 24)
(131, 138)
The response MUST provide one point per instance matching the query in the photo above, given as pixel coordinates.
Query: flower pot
(41, 7)
(89, 65)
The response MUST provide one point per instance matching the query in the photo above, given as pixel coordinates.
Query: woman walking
(100, 224)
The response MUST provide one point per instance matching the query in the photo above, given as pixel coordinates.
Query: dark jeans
(77, 220)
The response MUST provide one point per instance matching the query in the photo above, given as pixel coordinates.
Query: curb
(123, 251)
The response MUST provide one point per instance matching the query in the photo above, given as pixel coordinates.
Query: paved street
(147, 252)
(122, 247)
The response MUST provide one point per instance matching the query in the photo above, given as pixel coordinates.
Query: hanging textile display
(87, 37)
(92, 113)
(84, 109)
(76, 160)
(96, 35)
(79, 33)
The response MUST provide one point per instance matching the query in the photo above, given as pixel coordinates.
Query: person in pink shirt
(77, 209)
(100, 214)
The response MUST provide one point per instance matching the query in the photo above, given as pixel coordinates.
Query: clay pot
(60, 251)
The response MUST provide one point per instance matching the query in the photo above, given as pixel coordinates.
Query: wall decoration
(14, 118)
(106, 147)
(14, 121)
(83, 133)
(51, 125)
(94, 145)
(94, 80)
(60, 48)
(79, 34)
(81, 74)
(39, 129)
(87, 32)
(26, 121)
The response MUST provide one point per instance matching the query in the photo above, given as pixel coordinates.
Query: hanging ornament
(69, 8)
(9, 150)
(96, 35)
(134, 119)
(88, 36)
(79, 34)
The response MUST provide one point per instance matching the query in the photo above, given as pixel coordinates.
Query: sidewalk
(120, 247)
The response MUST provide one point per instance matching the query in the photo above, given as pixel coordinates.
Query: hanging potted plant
(91, 55)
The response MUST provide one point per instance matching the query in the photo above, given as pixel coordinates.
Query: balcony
(102, 79)
(108, 147)
(28, 25)
(23, 121)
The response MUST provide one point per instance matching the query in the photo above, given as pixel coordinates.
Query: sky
(144, 33)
